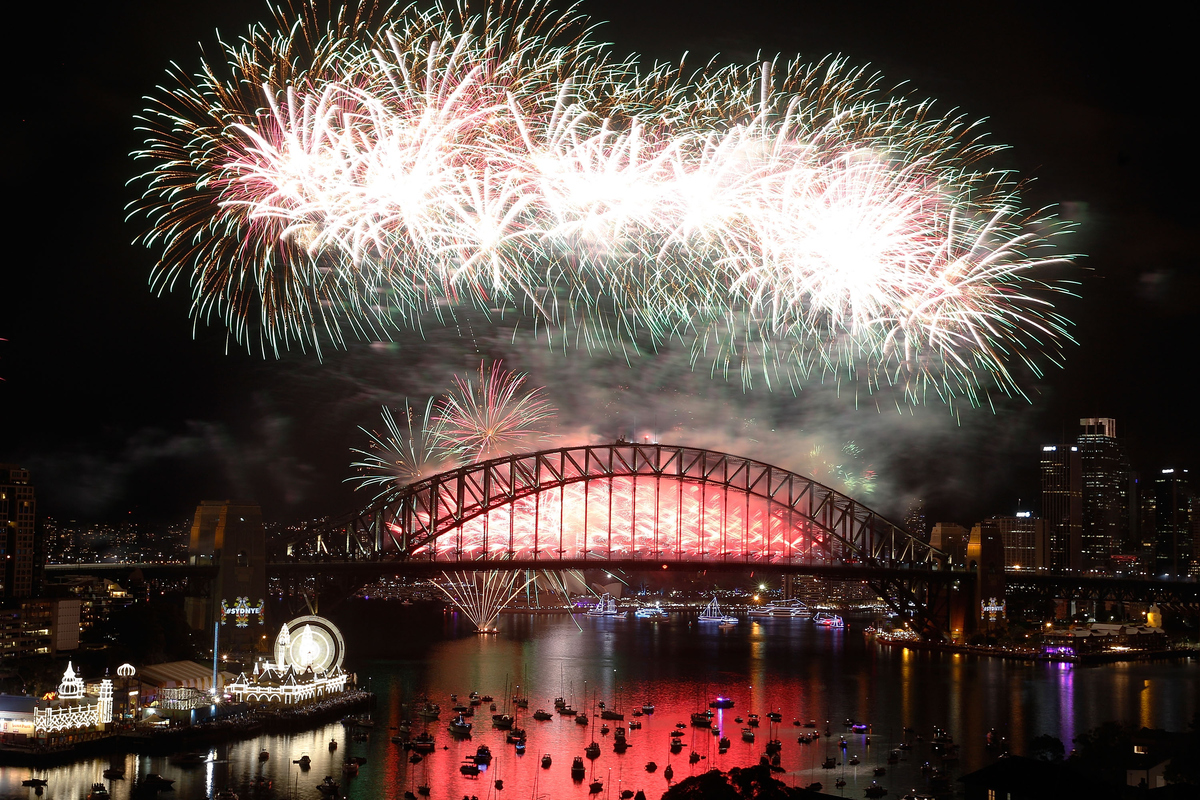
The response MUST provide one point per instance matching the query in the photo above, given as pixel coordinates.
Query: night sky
(124, 408)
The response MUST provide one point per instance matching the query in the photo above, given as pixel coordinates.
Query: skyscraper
(1104, 470)
(1024, 540)
(1062, 504)
(1174, 510)
(21, 575)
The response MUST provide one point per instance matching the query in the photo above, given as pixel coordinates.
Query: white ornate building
(73, 709)
(307, 666)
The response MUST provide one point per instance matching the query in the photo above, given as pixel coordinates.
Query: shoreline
(1035, 655)
(184, 738)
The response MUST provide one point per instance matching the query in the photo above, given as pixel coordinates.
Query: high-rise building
(1024, 540)
(21, 572)
(1062, 505)
(1105, 472)
(1174, 514)
(951, 539)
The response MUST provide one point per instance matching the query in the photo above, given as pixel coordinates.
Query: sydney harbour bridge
(652, 507)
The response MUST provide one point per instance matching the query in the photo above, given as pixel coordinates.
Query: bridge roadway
(1090, 587)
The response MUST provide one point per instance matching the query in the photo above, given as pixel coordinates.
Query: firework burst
(480, 419)
(786, 219)
(405, 452)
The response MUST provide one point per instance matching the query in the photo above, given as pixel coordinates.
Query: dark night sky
(120, 409)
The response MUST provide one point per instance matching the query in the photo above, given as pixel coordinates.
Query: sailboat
(607, 607)
(712, 613)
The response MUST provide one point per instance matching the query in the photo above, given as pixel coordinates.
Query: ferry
(712, 613)
(654, 612)
(829, 620)
(791, 610)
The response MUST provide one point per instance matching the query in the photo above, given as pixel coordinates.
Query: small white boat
(712, 613)
(829, 620)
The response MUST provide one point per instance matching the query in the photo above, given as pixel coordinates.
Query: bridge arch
(630, 502)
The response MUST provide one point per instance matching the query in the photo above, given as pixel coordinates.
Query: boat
(422, 743)
(647, 708)
(502, 721)
(747, 735)
(541, 714)
(263, 755)
(795, 610)
(606, 607)
(350, 768)
(774, 716)
(693, 757)
(702, 719)
(577, 768)
(634, 725)
(654, 612)
(429, 711)
(721, 702)
(459, 726)
(651, 766)
(332, 745)
(829, 620)
(595, 787)
(608, 713)
(592, 750)
(153, 779)
(875, 790)
(829, 763)
(98, 792)
(581, 718)
(712, 613)
(752, 720)
(668, 773)
(469, 769)
(328, 786)
(565, 709)
(860, 727)
(114, 773)
(723, 744)
(37, 782)
(423, 789)
(547, 761)
(483, 754)
(415, 758)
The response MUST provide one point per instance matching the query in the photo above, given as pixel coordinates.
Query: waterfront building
(20, 567)
(1062, 504)
(1104, 470)
(307, 666)
(40, 627)
(74, 712)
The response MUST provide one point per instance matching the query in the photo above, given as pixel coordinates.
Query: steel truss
(626, 501)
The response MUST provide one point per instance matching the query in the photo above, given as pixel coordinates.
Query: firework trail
(404, 453)
(791, 221)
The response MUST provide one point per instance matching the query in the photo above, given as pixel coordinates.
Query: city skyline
(122, 410)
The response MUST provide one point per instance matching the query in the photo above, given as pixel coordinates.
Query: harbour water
(791, 667)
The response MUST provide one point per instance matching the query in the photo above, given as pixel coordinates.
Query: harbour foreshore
(176, 739)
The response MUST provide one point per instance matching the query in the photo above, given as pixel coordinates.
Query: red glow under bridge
(625, 502)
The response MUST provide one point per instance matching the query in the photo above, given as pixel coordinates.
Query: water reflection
(789, 665)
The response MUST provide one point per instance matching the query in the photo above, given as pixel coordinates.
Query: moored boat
(712, 613)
